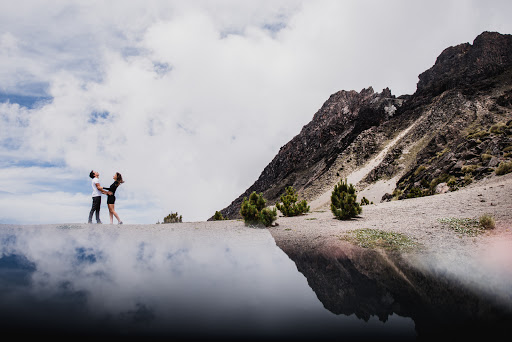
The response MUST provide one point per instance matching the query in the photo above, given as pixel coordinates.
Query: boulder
(442, 188)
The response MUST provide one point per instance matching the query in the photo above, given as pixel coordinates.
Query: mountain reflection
(371, 283)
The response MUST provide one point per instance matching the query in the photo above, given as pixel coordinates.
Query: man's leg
(92, 211)
(98, 210)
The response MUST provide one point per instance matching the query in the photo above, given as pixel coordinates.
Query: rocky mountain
(455, 129)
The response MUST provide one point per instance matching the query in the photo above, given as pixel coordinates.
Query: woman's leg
(113, 212)
(110, 212)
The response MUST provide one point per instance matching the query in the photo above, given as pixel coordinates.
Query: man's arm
(101, 189)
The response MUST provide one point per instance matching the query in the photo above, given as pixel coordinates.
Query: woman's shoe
(120, 222)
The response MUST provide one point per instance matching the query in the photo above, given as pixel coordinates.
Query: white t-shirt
(95, 191)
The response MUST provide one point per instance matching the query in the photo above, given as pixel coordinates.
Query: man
(97, 190)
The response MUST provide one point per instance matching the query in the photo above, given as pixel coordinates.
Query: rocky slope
(458, 130)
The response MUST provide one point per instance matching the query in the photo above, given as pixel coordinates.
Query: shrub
(504, 168)
(452, 181)
(468, 179)
(487, 221)
(485, 157)
(469, 168)
(218, 216)
(498, 128)
(420, 169)
(172, 218)
(344, 201)
(478, 135)
(290, 207)
(364, 201)
(415, 192)
(254, 212)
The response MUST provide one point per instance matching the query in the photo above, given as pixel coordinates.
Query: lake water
(180, 281)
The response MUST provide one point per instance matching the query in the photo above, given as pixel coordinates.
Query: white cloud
(190, 101)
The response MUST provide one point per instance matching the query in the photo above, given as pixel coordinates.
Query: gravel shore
(418, 218)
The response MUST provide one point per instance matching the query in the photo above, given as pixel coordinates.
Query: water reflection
(172, 281)
(442, 303)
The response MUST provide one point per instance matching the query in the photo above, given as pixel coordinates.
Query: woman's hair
(119, 179)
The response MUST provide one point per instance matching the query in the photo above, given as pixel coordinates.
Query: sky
(190, 100)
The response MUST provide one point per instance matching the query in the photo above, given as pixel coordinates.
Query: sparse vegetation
(487, 221)
(253, 210)
(375, 238)
(468, 179)
(419, 170)
(416, 192)
(344, 201)
(478, 134)
(463, 226)
(289, 205)
(364, 201)
(498, 128)
(485, 157)
(173, 218)
(469, 168)
(504, 168)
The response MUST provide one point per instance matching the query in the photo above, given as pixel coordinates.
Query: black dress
(111, 199)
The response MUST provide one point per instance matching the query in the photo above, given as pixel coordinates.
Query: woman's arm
(102, 189)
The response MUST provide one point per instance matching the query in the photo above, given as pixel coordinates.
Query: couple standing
(97, 190)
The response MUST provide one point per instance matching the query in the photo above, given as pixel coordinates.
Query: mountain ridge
(466, 91)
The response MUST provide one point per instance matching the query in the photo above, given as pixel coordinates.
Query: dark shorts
(111, 199)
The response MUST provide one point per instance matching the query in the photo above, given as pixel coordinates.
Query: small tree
(253, 210)
(218, 216)
(344, 201)
(172, 218)
(290, 207)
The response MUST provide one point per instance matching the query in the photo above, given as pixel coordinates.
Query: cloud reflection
(161, 279)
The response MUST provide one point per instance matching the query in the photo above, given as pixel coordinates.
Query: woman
(111, 199)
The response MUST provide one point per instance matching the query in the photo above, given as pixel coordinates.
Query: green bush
(344, 201)
(487, 221)
(218, 216)
(254, 212)
(173, 218)
(504, 168)
(290, 207)
(364, 201)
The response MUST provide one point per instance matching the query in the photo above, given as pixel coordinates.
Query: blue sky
(191, 100)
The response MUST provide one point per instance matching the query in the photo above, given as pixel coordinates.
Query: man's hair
(91, 174)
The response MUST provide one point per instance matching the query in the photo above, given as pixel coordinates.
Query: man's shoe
(99, 222)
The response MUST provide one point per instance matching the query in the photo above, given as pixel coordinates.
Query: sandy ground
(418, 218)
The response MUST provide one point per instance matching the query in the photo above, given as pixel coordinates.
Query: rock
(386, 197)
(442, 188)
(493, 162)
(458, 166)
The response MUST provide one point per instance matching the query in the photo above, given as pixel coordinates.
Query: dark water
(74, 281)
